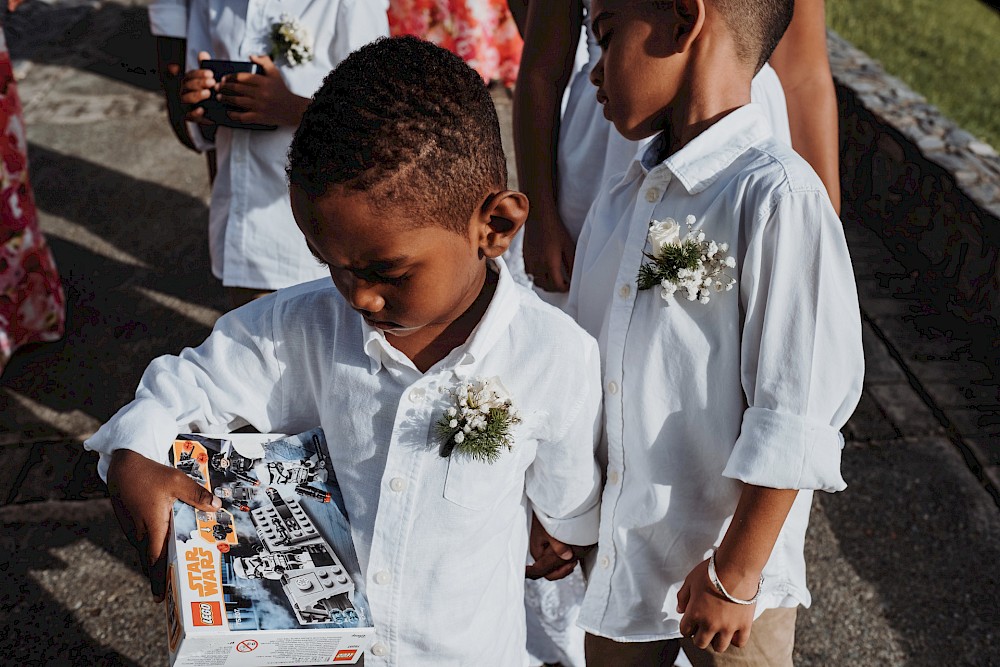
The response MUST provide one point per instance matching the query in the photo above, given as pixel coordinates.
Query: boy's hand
(548, 252)
(262, 99)
(142, 494)
(709, 618)
(197, 86)
(553, 559)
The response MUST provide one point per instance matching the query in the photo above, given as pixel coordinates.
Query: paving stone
(880, 366)
(964, 393)
(905, 409)
(976, 422)
(869, 422)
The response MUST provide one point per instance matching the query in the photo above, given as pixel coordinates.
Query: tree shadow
(134, 265)
(112, 39)
(41, 630)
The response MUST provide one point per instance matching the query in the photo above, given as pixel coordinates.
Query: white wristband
(714, 578)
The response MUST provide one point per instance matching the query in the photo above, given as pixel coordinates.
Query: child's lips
(601, 97)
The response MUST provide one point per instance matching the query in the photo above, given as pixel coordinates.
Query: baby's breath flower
(290, 40)
(692, 266)
(480, 425)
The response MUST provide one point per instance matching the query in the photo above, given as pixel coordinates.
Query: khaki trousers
(772, 639)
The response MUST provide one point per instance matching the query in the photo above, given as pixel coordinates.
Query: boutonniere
(479, 422)
(693, 265)
(290, 40)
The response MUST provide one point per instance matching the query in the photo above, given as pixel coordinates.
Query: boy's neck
(714, 88)
(426, 348)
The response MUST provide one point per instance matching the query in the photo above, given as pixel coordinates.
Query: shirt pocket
(479, 485)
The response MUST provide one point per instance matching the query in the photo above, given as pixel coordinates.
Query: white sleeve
(564, 482)
(168, 18)
(232, 379)
(802, 361)
(358, 23)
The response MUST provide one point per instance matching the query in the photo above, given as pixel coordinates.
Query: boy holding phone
(254, 244)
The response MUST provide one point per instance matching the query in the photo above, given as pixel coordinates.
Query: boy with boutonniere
(450, 396)
(715, 274)
(253, 242)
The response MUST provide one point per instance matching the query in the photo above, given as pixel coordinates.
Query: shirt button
(397, 484)
(652, 195)
(605, 562)
(612, 387)
(416, 395)
(625, 290)
(382, 578)
(379, 649)
(613, 476)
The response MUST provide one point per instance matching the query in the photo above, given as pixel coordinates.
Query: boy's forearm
(537, 97)
(815, 133)
(170, 59)
(803, 66)
(747, 545)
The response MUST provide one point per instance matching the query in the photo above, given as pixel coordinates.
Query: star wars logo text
(206, 613)
(201, 572)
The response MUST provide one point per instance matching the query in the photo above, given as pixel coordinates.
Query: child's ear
(499, 218)
(689, 18)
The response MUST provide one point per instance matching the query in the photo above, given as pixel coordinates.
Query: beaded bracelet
(714, 578)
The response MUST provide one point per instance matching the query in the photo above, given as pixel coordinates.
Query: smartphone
(215, 110)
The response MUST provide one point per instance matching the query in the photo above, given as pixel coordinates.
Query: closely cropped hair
(757, 26)
(407, 123)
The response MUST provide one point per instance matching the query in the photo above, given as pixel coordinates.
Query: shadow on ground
(134, 264)
(112, 40)
(47, 620)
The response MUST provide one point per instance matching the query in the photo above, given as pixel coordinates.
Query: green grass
(946, 50)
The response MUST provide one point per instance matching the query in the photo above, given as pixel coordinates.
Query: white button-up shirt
(441, 541)
(253, 239)
(752, 386)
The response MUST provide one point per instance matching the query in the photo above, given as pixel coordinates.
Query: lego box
(268, 579)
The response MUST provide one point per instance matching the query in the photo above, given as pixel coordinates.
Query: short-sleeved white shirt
(752, 386)
(441, 541)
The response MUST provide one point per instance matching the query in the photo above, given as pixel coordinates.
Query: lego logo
(206, 613)
(345, 655)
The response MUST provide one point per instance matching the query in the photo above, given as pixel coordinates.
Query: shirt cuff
(784, 451)
(168, 20)
(580, 530)
(149, 432)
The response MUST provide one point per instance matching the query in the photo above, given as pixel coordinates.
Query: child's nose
(364, 296)
(597, 73)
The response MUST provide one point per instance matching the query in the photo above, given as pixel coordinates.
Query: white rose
(663, 232)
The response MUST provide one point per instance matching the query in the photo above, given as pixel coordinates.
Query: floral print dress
(482, 32)
(31, 297)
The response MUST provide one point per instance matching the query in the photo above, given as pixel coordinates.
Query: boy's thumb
(198, 496)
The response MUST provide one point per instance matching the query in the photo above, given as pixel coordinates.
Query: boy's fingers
(683, 596)
(188, 491)
(721, 641)
(265, 63)
(204, 55)
(561, 572)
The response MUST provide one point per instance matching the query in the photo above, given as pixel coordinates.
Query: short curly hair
(409, 124)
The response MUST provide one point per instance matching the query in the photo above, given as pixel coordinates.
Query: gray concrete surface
(903, 564)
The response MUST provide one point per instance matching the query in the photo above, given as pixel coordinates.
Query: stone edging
(974, 164)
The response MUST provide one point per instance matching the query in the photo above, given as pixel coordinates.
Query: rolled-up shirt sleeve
(802, 363)
(231, 379)
(564, 482)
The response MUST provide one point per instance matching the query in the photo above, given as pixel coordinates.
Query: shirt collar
(702, 159)
(495, 320)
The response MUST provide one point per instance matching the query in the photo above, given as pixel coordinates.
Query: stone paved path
(903, 564)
